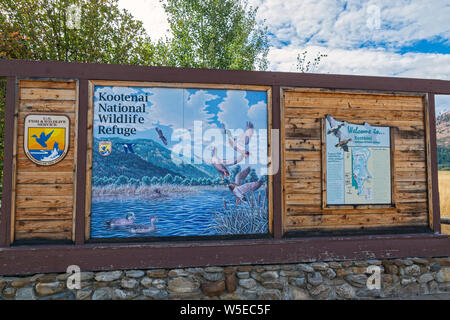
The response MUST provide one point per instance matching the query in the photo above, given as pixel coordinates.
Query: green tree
(168, 179)
(121, 180)
(177, 180)
(216, 34)
(43, 30)
(146, 180)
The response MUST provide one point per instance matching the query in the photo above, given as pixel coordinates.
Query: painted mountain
(443, 140)
(148, 158)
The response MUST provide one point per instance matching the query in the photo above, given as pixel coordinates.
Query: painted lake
(193, 214)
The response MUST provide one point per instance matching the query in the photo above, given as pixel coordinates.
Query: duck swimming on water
(127, 221)
(144, 228)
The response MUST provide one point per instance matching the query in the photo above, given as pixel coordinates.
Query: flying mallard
(240, 144)
(239, 189)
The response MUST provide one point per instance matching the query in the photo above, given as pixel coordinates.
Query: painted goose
(144, 228)
(333, 124)
(240, 144)
(221, 165)
(239, 189)
(127, 221)
(336, 130)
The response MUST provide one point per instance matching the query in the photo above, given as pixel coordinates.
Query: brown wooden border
(90, 137)
(56, 258)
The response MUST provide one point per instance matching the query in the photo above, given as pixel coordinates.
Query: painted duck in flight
(336, 130)
(240, 144)
(42, 140)
(220, 164)
(161, 135)
(239, 189)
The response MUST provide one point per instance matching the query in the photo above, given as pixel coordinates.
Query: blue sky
(402, 38)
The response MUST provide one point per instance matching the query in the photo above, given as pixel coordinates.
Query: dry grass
(444, 195)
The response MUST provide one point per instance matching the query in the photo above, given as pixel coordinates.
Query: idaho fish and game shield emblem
(46, 138)
(105, 148)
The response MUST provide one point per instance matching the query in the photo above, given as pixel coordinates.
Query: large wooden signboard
(98, 171)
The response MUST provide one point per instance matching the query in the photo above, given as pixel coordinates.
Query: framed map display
(358, 163)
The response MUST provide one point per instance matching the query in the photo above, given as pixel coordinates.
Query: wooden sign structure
(48, 208)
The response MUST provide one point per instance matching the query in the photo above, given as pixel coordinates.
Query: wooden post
(276, 189)
(432, 165)
(8, 166)
(81, 162)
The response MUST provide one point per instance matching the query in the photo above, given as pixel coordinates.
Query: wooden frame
(54, 257)
(38, 83)
(90, 137)
(388, 208)
(325, 205)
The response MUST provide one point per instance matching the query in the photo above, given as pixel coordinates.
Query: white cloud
(151, 13)
(442, 103)
(374, 62)
(348, 24)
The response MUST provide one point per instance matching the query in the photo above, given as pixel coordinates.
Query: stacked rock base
(399, 278)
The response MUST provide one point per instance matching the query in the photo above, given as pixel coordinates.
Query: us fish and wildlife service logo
(46, 138)
(105, 148)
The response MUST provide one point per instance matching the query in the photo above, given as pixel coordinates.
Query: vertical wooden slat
(276, 181)
(89, 146)
(432, 171)
(83, 94)
(8, 166)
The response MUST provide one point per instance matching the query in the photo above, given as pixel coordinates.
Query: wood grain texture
(44, 195)
(303, 150)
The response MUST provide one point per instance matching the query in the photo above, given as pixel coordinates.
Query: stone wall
(319, 280)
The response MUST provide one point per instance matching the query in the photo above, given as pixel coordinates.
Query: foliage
(249, 217)
(216, 34)
(305, 65)
(146, 181)
(121, 180)
(443, 158)
(42, 30)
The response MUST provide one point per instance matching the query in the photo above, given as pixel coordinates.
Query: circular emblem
(46, 138)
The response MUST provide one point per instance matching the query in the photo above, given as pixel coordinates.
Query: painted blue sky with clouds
(177, 111)
(402, 38)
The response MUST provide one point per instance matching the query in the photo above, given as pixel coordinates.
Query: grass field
(444, 195)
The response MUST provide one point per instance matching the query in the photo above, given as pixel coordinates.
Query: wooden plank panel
(46, 106)
(47, 94)
(44, 177)
(47, 84)
(43, 235)
(301, 144)
(356, 219)
(44, 226)
(48, 213)
(44, 201)
(29, 166)
(47, 190)
(364, 115)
